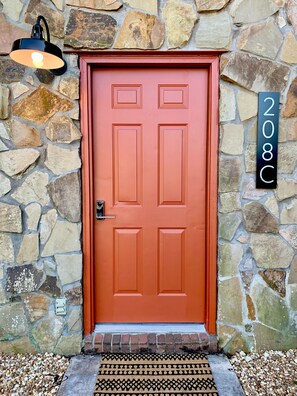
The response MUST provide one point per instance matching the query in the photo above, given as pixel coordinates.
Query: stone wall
(40, 186)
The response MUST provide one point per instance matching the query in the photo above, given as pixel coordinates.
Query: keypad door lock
(100, 211)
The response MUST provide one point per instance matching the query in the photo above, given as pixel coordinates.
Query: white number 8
(267, 152)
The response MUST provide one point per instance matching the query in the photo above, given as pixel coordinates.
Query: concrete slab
(80, 378)
(225, 378)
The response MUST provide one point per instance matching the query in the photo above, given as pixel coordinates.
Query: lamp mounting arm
(37, 29)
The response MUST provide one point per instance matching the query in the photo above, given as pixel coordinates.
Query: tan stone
(286, 188)
(33, 189)
(291, 126)
(271, 251)
(69, 86)
(292, 13)
(33, 212)
(252, 131)
(40, 105)
(293, 272)
(69, 345)
(74, 114)
(281, 22)
(90, 30)
(9, 33)
(4, 102)
(54, 18)
(238, 343)
(24, 135)
(29, 249)
(6, 249)
(247, 103)
(230, 202)
(230, 291)
(250, 158)
(232, 139)
(289, 213)
(10, 218)
(13, 10)
(290, 235)
(69, 267)
(59, 4)
(214, 31)
(60, 160)
(262, 39)
(287, 156)
(284, 126)
(225, 333)
(62, 130)
(227, 104)
(5, 185)
(276, 280)
(65, 237)
(272, 205)
(250, 191)
(245, 12)
(211, 5)
(258, 219)
(48, 331)
(74, 322)
(18, 89)
(230, 256)
(255, 74)
(179, 18)
(290, 109)
(106, 5)
(47, 223)
(140, 31)
(289, 50)
(146, 5)
(228, 225)
(36, 305)
(230, 174)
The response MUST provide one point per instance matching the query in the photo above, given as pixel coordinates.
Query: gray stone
(10, 218)
(3, 146)
(230, 291)
(69, 86)
(179, 18)
(211, 5)
(214, 31)
(18, 89)
(262, 39)
(230, 174)
(4, 127)
(33, 212)
(65, 238)
(12, 9)
(5, 185)
(230, 256)
(271, 251)
(290, 234)
(69, 267)
(271, 310)
(243, 12)
(4, 102)
(74, 322)
(47, 332)
(255, 74)
(230, 202)
(90, 30)
(69, 345)
(232, 139)
(23, 279)
(146, 5)
(18, 161)
(287, 155)
(258, 219)
(6, 249)
(62, 130)
(44, 76)
(227, 104)
(2, 295)
(250, 158)
(33, 189)
(36, 306)
(276, 280)
(13, 319)
(51, 286)
(60, 160)
(47, 223)
(228, 224)
(293, 297)
(10, 71)
(293, 272)
(24, 135)
(29, 249)
(65, 193)
(21, 345)
(289, 213)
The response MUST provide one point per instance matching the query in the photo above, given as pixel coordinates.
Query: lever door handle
(100, 211)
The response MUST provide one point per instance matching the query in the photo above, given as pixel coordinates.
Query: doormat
(155, 375)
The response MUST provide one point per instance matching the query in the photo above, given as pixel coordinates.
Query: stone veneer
(40, 204)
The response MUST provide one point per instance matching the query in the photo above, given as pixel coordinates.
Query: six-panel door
(149, 131)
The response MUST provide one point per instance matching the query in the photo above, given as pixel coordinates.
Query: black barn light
(37, 52)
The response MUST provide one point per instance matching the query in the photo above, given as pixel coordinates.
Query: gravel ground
(31, 375)
(267, 373)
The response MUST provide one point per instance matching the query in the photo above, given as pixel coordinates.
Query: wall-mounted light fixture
(37, 52)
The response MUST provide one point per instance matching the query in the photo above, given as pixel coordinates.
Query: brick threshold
(152, 342)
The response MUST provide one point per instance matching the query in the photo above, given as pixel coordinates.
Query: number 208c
(267, 139)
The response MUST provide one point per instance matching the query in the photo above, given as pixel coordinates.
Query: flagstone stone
(140, 31)
(33, 189)
(47, 332)
(211, 5)
(289, 213)
(225, 333)
(286, 188)
(51, 286)
(230, 256)
(69, 86)
(146, 5)
(4, 127)
(101, 5)
(14, 162)
(268, 338)
(74, 295)
(10, 218)
(29, 249)
(289, 50)
(232, 139)
(36, 305)
(65, 237)
(276, 280)
(230, 174)
(10, 71)
(59, 4)
(287, 156)
(69, 267)
(24, 135)
(33, 212)
(9, 32)
(242, 11)
(74, 322)
(227, 103)
(13, 10)
(13, 319)
(247, 103)
(5, 185)
(230, 202)
(17, 88)
(262, 39)
(291, 128)
(250, 158)
(214, 31)
(230, 290)
(292, 13)
(23, 279)
(228, 225)
(4, 102)
(290, 109)
(258, 219)
(69, 345)
(272, 205)
(44, 76)
(6, 250)
(60, 160)
(271, 251)
(20, 345)
(293, 272)
(90, 30)
(47, 223)
(3, 146)
(255, 74)
(293, 297)
(237, 344)
(62, 130)
(179, 18)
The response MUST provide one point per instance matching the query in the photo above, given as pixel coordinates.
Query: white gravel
(31, 375)
(268, 373)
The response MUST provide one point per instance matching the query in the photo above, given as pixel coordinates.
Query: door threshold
(158, 328)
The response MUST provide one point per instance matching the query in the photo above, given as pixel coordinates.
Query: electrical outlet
(61, 306)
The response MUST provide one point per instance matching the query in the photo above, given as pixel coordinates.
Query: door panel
(149, 128)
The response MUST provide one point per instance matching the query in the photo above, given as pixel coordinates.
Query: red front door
(149, 128)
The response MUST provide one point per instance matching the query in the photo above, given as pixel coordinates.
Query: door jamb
(178, 59)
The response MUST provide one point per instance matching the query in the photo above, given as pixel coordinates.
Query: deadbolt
(100, 211)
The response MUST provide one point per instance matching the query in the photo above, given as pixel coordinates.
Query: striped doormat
(154, 375)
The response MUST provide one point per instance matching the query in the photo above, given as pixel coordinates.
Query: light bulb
(37, 59)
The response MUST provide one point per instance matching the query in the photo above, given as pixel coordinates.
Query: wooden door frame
(160, 59)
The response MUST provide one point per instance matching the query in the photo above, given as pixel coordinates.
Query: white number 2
(269, 108)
